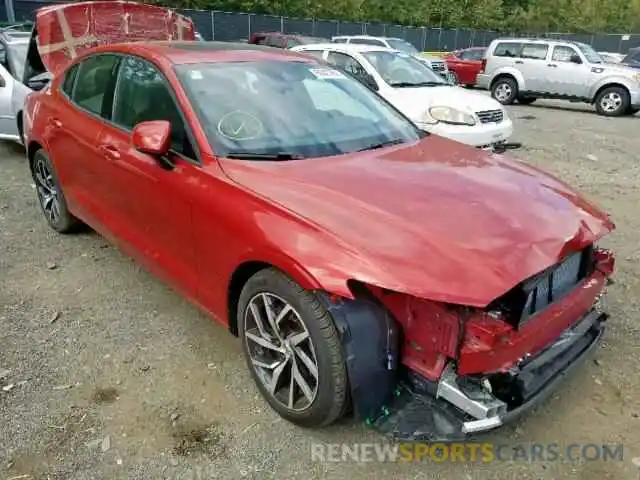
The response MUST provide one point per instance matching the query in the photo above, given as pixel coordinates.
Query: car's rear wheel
(612, 101)
(504, 90)
(50, 195)
(292, 349)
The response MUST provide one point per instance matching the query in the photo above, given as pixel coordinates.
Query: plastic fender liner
(370, 343)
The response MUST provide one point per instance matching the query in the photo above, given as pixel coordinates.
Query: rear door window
(507, 49)
(95, 84)
(534, 51)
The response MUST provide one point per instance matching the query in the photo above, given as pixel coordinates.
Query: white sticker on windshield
(195, 74)
(403, 54)
(326, 73)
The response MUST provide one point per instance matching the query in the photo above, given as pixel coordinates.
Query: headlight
(451, 115)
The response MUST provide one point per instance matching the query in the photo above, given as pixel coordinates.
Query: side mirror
(575, 59)
(153, 138)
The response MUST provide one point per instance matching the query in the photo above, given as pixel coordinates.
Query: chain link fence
(226, 26)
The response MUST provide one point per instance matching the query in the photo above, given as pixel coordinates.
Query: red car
(432, 288)
(466, 63)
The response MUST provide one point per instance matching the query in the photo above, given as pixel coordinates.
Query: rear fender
(512, 72)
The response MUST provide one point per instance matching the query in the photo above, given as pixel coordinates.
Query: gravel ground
(116, 377)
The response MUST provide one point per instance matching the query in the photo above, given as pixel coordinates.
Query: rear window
(507, 49)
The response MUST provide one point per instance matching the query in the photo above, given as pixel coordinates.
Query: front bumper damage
(456, 407)
(475, 390)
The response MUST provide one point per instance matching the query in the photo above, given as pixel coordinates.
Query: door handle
(55, 123)
(110, 152)
(552, 65)
(519, 61)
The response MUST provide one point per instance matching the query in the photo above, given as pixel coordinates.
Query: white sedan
(420, 94)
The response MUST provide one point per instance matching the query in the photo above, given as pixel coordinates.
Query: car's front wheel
(292, 349)
(612, 101)
(52, 200)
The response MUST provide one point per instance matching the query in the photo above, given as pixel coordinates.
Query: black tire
(526, 100)
(42, 171)
(504, 90)
(612, 101)
(331, 397)
(632, 111)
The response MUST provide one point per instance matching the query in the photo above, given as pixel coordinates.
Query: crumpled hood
(64, 31)
(414, 102)
(436, 219)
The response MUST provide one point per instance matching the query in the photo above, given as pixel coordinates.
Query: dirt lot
(115, 376)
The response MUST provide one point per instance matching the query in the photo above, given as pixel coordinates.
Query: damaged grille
(536, 294)
(490, 116)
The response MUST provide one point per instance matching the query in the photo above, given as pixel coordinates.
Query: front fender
(612, 80)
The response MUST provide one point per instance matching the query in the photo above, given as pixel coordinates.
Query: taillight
(483, 64)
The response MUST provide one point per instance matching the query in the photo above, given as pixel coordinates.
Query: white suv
(437, 64)
(527, 69)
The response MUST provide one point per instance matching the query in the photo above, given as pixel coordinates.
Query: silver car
(436, 64)
(523, 70)
(13, 53)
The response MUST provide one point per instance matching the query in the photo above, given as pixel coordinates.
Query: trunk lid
(63, 32)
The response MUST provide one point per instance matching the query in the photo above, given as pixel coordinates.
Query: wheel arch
(248, 268)
(32, 148)
(609, 85)
(515, 75)
(20, 124)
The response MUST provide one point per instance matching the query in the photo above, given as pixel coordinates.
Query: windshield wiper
(388, 143)
(279, 156)
(417, 84)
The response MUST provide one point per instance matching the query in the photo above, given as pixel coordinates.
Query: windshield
(402, 70)
(17, 58)
(289, 110)
(401, 45)
(589, 53)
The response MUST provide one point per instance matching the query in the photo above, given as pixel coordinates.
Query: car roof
(346, 47)
(185, 52)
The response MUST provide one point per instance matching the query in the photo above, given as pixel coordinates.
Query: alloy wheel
(281, 351)
(611, 102)
(47, 190)
(503, 92)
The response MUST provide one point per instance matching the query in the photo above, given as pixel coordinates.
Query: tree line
(575, 16)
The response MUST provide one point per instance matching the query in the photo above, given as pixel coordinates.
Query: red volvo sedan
(433, 289)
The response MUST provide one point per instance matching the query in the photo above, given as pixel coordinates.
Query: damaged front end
(426, 371)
